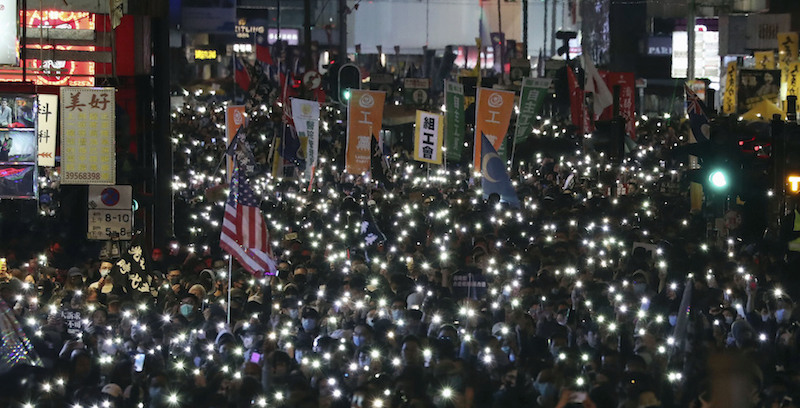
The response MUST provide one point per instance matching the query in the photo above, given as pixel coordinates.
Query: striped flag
(244, 232)
(698, 120)
(240, 75)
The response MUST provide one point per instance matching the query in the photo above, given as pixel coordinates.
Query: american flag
(244, 232)
(697, 115)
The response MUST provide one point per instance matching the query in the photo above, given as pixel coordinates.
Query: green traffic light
(346, 94)
(718, 179)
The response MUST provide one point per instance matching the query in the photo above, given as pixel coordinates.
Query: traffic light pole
(778, 141)
(783, 148)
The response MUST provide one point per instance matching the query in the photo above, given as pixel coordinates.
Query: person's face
(189, 301)
(99, 319)
(510, 379)
(4, 104)
(410, 352)
(157, 255)
(174, 274)
(105, 268)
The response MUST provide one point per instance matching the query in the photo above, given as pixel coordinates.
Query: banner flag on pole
(492, 116)
(454, 120)
(530, 102)
(364, 118)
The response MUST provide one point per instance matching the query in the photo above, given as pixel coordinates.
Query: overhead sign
(87, 136)
(245, 30)
(290, 35)
(8, 25)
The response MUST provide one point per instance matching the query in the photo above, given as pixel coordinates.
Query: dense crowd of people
(602, 290)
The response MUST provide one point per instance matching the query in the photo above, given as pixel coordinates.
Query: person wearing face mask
(105, 284)
(309, 326)
(289, 307)
(188, 308)
(398, 310)
(362, 336)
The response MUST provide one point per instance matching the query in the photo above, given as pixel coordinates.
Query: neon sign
(56, 72)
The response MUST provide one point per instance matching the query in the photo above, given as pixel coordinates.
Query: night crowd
(603, 290)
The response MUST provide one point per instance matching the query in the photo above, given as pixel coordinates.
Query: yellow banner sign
(764, 59)
(729, 97)
(793, 79)
(787, 49)
(492, 116)
(363, 123)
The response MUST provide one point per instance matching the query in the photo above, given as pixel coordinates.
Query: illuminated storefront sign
(706, 57)
(205, 54)
(794, 183)
(44, 71)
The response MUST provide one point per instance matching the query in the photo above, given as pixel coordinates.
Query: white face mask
(673, 320)
(104, 272)
(781, 315)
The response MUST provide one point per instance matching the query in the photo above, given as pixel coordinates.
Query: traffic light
(349, 78)
(719, 178)
(723, 167)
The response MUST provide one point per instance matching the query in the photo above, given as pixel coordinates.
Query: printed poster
(757, 85)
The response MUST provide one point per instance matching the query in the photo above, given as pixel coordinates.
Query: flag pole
(230, 279)
(233, 68)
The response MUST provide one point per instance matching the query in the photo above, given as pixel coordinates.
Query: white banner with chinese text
(428, 138)
(47, 128)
